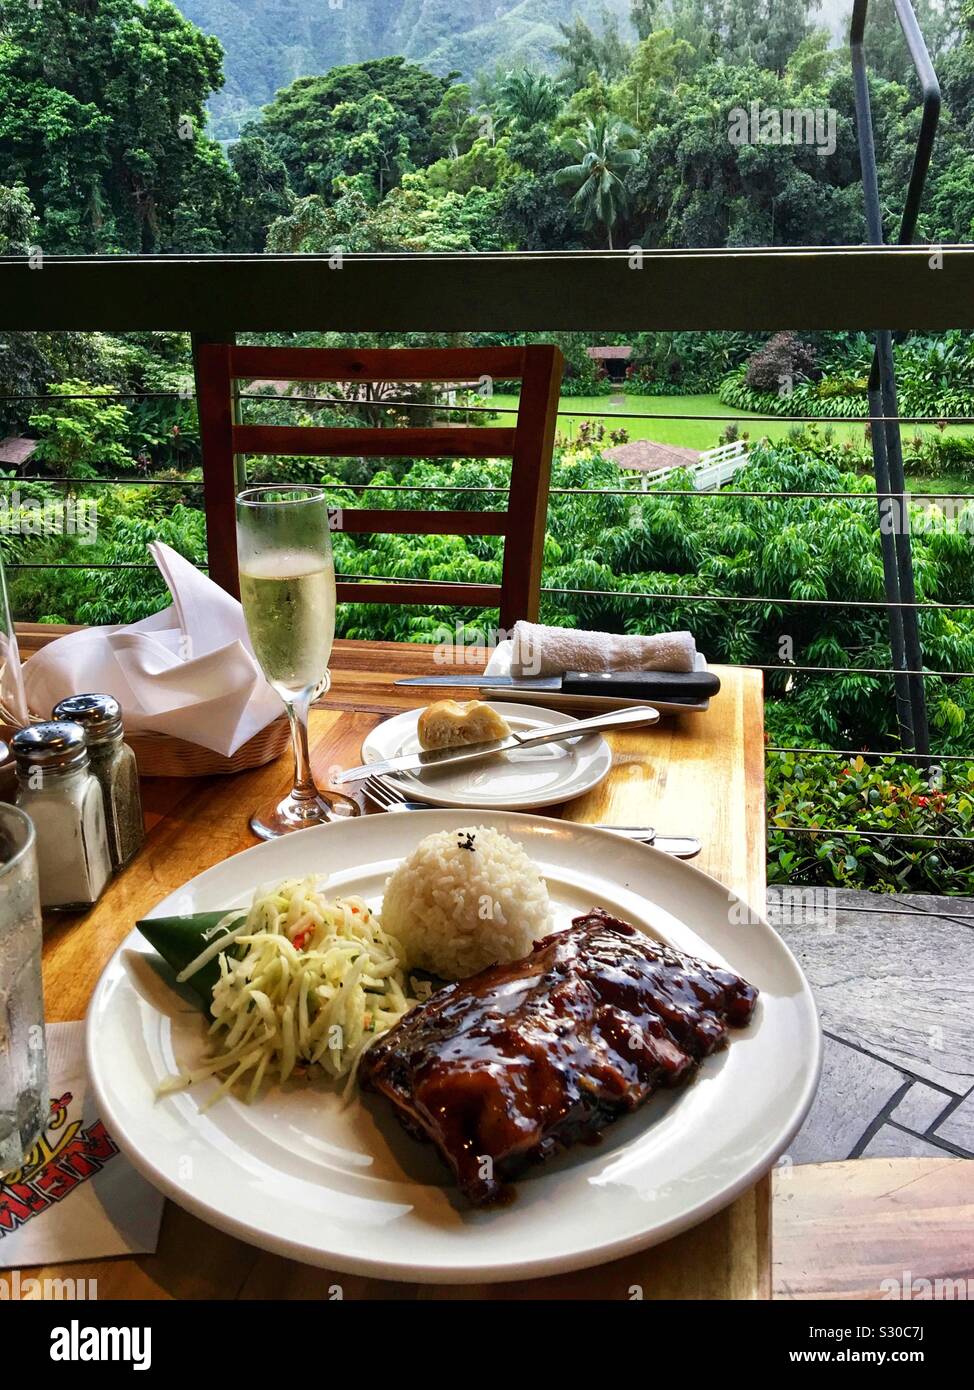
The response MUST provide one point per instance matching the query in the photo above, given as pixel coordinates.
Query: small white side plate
(517, 781)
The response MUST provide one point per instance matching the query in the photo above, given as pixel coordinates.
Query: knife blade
(671, 686)
(422, 760)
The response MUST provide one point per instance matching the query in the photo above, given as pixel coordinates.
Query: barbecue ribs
(521, 1060)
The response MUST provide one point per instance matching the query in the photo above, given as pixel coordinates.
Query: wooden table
(699, 774)
(863, 1228)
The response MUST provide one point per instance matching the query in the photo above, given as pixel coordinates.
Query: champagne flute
(287, 588)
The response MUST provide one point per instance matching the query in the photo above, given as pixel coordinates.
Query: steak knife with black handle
(670, 686)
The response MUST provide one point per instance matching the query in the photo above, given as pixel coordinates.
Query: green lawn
(692, 433)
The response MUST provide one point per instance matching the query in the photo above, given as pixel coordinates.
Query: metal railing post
(906, 649)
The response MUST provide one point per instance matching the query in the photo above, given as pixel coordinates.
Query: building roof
(647, 457)
(608, 354)
(15, 450)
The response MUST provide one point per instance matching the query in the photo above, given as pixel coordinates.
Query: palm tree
(604, 147)
(528, 98)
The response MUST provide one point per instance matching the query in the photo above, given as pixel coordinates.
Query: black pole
(906, 648)
(889, 522)
(890, 517)
(930, 92)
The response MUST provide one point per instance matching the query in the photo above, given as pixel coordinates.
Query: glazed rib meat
(512, 1064)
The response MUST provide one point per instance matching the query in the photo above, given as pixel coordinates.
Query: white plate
(517, 781)
(348, 1189)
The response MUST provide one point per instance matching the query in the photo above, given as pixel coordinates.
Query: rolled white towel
(550, 651)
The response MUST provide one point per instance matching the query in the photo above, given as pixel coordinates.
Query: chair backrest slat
(528, 445)
(377, 364)
(315, 441)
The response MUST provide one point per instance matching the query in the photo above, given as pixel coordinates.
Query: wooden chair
(528, 445)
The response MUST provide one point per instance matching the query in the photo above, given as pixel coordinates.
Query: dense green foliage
(934, 378)
(555, 127)
(102, 121)
(810, 791)
(627, 139)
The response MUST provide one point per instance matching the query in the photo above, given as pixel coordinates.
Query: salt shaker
(57, 790)
(113, 764)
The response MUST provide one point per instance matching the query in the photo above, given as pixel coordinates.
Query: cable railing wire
(770, 602)
(372, 404)
(761, 600)
(895, 753)
(499, 490)
(852, 832)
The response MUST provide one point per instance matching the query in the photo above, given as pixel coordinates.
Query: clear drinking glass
(24, 1098)
(287, 588)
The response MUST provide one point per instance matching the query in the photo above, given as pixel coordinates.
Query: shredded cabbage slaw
(316, 982)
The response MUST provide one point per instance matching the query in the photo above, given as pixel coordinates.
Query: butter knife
(421, 761)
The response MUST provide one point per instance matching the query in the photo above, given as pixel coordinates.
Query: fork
(389, 798)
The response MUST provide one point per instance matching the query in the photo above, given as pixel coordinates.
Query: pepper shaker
(57, 790)
(113, 764)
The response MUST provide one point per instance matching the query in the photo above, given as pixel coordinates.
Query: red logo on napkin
(64, 1156)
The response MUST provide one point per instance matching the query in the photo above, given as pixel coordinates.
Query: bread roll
(452, 723)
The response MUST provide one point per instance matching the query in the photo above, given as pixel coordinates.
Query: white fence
(714, 468)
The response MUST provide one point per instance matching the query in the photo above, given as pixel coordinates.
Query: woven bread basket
(161, 755)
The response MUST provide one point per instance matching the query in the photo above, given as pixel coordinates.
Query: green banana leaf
(179, 940)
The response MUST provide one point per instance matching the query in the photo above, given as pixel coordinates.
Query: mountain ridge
(269, 43)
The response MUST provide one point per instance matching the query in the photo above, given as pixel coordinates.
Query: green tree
(325, 128)
(453, 124)
(886, 51)
(528, 98)
(694, 187)
(764, 32)
(409, 218)
(264, 192)
(598, 177)
(81, 431)
(18, 221)
(484, 165)
(644, 15)
(102, 118)
(658, 65)
(30, 362)
(583, 51)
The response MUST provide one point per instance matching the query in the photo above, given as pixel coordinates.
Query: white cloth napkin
(536, 650)
(77, 1198)
(12, 695)
(188, 671)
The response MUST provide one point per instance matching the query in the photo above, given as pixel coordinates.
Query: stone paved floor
(893, 978)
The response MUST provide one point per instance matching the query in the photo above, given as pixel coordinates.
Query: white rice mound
(456, 910)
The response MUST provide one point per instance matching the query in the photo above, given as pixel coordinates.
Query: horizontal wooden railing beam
(856, 287)
(309, 441)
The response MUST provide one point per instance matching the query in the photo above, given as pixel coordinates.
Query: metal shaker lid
(55, 746)
(99, 715)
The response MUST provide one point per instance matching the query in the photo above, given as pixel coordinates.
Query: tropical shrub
(819, 794)
(934, 378)
(686, 364)
(782, 361)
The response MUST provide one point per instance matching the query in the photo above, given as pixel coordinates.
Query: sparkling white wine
(288, 599)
